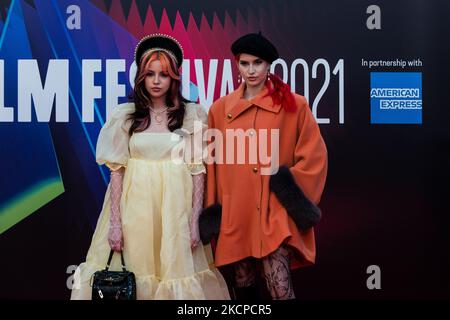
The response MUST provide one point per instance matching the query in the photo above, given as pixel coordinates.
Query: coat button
(229, 116)
(255, 169)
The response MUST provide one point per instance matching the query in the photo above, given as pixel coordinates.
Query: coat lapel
(236, 104)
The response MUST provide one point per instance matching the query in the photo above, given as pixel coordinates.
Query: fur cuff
(304, 213)
(209, 222)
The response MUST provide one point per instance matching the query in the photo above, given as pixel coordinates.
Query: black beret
(257, 45)
(161, 42)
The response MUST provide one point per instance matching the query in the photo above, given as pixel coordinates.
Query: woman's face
(253, 69)
(157, 82)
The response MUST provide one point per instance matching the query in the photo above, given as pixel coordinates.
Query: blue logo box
(396, 97)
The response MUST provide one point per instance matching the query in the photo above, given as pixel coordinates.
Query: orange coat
(254, 223)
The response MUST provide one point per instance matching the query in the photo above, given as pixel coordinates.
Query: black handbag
(114, 285)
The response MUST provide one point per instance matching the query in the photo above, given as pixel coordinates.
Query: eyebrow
(257, 59)
(162, 71)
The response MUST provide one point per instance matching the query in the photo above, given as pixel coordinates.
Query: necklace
(158, 115)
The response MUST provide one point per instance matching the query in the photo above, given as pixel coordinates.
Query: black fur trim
(209, 222)
(304, 213)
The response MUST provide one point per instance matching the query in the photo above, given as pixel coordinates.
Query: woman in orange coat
(268, 210)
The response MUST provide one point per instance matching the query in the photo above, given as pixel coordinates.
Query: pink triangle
(117, 14)
(180, 33)
(150, 22)
(224, 46)
(230, 27)
(213, 51)
(165, 26)
(134, 23)
(198, 44)
(209, 38)
(219, 32)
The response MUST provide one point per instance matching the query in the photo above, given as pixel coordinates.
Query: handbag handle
(111, 253)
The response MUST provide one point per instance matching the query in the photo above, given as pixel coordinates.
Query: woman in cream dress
(160, 198)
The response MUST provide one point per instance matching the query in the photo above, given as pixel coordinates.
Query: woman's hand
(194, 231)
(115, 238)
(197, 206)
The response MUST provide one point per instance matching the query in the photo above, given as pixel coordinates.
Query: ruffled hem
(204, 285)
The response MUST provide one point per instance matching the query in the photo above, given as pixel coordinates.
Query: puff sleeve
(112, 144)
(194, 126)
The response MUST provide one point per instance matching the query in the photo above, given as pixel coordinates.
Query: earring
(239, 78)
(268, 76)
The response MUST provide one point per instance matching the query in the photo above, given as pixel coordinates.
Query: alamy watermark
(234, 146)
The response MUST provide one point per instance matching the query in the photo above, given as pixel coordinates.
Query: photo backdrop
(374, 74)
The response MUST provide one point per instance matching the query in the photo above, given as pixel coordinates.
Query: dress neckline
(155, 132)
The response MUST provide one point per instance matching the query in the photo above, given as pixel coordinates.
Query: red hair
(281, 93)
